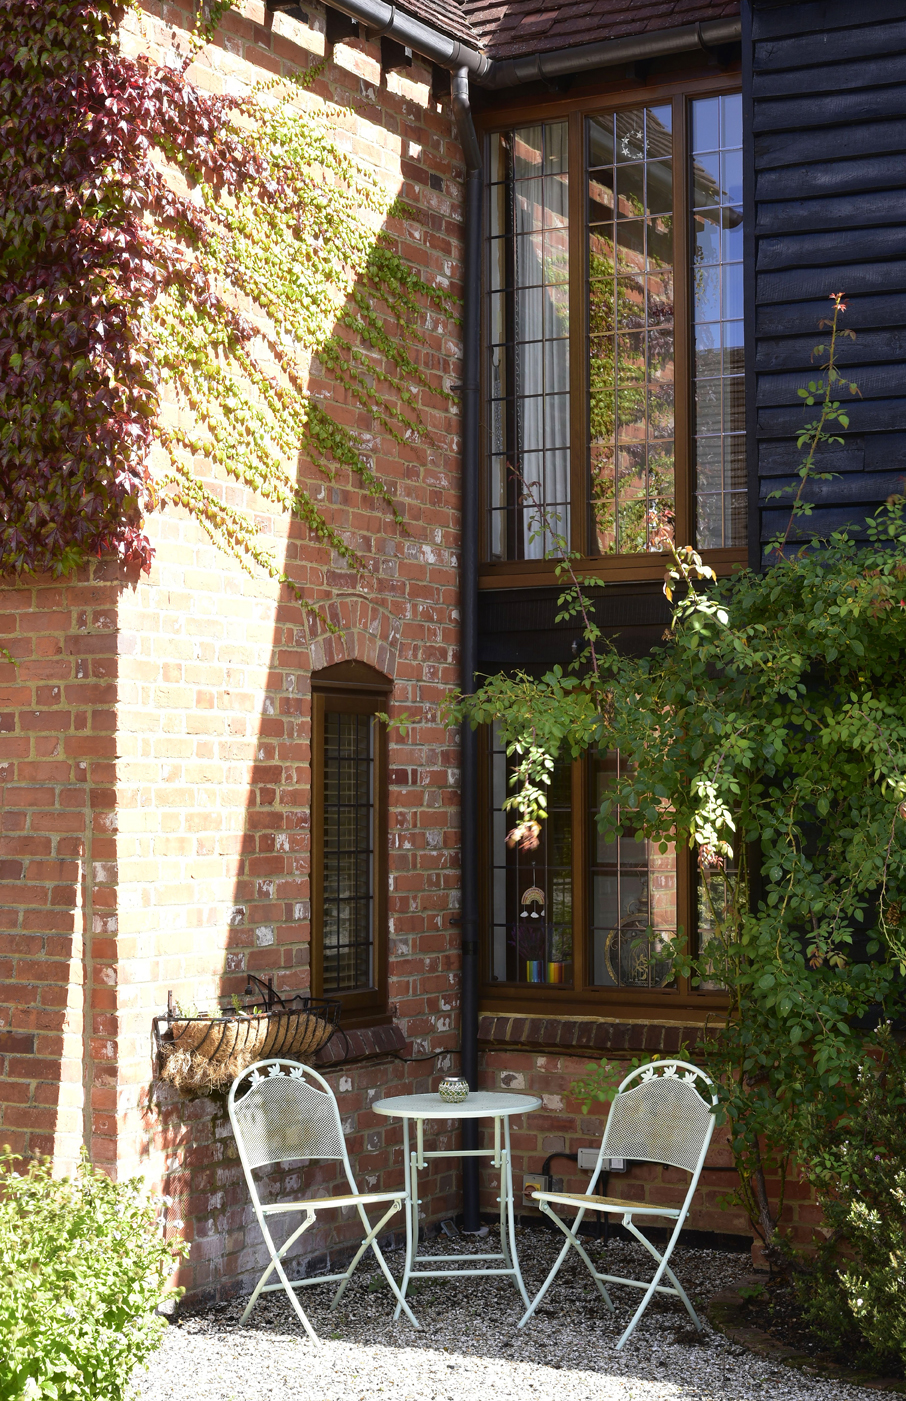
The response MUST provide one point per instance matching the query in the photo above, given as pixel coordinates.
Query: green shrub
(855, 1298)
(83, 1264)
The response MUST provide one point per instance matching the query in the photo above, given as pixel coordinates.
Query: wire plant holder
(199, 1053)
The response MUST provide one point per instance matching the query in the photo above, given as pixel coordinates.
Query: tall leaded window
(633, 915)
(614, 416)
(347, 910)
(717, 310)
(349, 837)
(528, 361)
(631, 356)
(532, 901)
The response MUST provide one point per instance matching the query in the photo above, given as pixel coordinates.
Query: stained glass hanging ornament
(532, 896)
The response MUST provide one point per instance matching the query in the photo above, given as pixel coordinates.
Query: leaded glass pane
(632, 900)
(528, 349)
(348, 922)
(718, 443)
(631, 333)
(531, 893)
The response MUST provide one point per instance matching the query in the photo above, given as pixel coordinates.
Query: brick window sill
(585, 1035)
(361, 1043)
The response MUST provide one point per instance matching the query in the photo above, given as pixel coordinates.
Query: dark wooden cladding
(518, 628)
(822, 109)
(827, 197)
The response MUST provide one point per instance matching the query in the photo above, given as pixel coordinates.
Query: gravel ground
(470, 1346)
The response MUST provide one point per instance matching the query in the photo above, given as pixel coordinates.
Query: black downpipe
(471, 381)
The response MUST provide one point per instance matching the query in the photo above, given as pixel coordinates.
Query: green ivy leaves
(154, 237)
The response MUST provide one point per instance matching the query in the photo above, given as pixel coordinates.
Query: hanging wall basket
(198, 1054)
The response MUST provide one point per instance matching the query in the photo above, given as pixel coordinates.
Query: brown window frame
(614, 568)
(679, 1003)
(351, 688)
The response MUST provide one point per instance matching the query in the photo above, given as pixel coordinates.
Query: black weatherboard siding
(827, 94)
(518, 627)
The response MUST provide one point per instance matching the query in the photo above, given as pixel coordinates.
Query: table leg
(511, 1222)
(500, 1161)
(411, 1210)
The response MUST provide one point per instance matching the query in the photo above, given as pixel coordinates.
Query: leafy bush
(855, 1297)
(767, 731)
(84, 1263)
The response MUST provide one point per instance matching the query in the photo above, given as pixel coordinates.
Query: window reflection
(528, 371)
(532, 936)
(633, 901)
(630, 314)
(717, 301)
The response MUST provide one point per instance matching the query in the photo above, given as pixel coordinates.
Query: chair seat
(608, 1204)
(352, 1199)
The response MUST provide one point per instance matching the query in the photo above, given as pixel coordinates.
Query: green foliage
(814, 435)
(855, 1294)
(84, 1264)
(155, 238)
(599, 1084)
(601, 1081)
(768, 732)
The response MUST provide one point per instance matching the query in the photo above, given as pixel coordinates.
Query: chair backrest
(280, 1109)
(659, 1116)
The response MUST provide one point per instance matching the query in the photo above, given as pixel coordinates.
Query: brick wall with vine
(154, 731)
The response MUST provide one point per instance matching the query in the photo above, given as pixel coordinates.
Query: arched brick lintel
(365, 631)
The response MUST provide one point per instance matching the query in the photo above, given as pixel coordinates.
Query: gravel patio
(469, 1345)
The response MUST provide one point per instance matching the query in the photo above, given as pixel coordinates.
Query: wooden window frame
(351, 688)
(682, 1002)
(679, 92)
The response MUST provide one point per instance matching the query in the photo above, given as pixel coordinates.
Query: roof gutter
(387, 19)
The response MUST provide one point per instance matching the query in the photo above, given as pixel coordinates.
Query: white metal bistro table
(479, 1105)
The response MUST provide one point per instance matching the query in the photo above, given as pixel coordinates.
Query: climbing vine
(172, 263)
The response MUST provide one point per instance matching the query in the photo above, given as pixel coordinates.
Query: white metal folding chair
(658, 1116)
(281, 1110)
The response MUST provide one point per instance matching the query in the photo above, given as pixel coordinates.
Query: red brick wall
(155, 743)
(57, 823)
(561, 1126)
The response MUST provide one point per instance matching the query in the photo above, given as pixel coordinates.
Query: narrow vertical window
(717, 300)
(347, 930)
(532, 938)
(633, 901)
(349, 838)
(631, 331)
(528, 348)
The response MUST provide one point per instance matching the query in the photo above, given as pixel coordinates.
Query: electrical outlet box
(589, 1156)
(534, 1182)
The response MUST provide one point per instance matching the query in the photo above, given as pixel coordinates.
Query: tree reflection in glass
(630, 321)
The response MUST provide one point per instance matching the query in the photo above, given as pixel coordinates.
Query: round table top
(481, 1104)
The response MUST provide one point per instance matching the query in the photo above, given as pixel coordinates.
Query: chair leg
(571, 1240)
(268, 1240)
(630, 1226)
(400, 1297)
(658, 1274)
(371, 1233)
(277, 1264)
